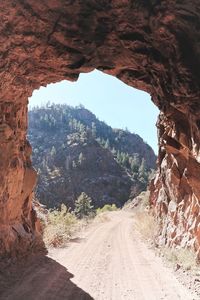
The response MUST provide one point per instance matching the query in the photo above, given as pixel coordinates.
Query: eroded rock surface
(151, 45)
(175, 190)
(19, 227)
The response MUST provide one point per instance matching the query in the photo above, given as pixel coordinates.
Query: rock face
(74, 152)
(175, 189)
(19, 227)
(151, 45)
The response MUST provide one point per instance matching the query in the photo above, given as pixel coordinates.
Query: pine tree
(74, 164)
(81, 158)
(82, 128)
(125, 159)
(123, 155)
(107, 144)
(142, 168)
(74, 124)
(68, 162)
(135, 163)
(113, 151)
(83, 206)
(53, 151)
(134, 166)
(118, 156)
(94, 130)
(70, 124)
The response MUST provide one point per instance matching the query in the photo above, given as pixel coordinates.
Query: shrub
(106, 207)
(59, 227)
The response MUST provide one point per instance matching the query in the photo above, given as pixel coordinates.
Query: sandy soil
(108, 262)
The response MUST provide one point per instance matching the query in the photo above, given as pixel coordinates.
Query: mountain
(74, 152)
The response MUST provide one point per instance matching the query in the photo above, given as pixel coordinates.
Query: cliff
(74, 152)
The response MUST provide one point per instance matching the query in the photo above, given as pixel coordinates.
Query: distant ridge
(73, 152)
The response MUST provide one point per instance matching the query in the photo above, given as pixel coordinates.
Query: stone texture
(175, 192)
(152, 45)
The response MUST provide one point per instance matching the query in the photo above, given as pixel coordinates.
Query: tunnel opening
(146, 46)
(75, 152)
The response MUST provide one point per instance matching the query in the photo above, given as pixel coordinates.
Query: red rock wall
(18, 225)
(175, 192)
(152, 45)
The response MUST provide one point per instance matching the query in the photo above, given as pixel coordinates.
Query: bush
(106, 207)
(59, 227)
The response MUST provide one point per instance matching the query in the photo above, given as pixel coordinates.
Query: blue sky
(111, 100)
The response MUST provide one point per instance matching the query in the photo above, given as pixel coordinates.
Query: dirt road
(112, 263)
(108, 262)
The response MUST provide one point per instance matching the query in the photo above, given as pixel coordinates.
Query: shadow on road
(39, 278)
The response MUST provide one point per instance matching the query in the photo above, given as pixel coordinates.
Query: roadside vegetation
(84, 207)
(144, 221)
(182, 257)
(148, 228)
(106, 208)
(61, 225)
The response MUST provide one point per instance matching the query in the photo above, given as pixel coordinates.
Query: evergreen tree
(118, 156)
(82, 128)
(83, 206)
(107, 144)
(94, 130)
(81, 158)
(70, 124)
(83, 135)
(134, 163)
(125, 159)
(53, 151)
(74, 164)
(113, 151)
(68, 162)
(134, 166)
(74, 124)
(142, 168)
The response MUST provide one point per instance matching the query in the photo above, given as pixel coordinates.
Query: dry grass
(59, 227)
(146, 225)
(102, 213)
(144, 221)
(179, 257)
(102, 218)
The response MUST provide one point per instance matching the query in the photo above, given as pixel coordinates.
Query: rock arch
(152, 45)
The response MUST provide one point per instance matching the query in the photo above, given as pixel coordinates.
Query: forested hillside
(74, 152)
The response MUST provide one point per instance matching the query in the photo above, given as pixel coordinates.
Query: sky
(111, 100)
